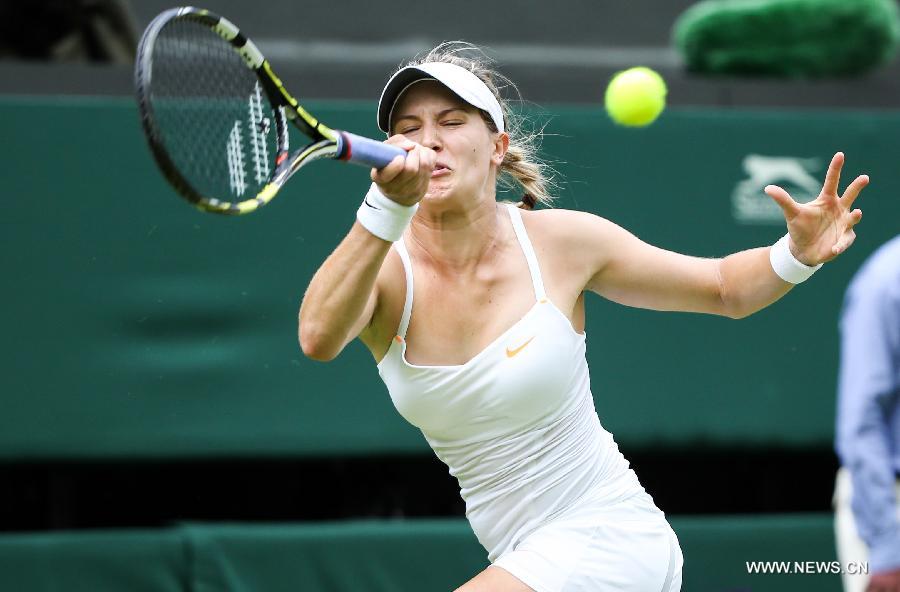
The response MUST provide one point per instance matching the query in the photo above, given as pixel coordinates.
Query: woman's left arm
(635, 273)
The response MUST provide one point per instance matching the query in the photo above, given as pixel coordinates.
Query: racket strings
(212, 115)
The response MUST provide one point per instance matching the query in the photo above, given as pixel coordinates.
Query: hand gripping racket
(215, 115)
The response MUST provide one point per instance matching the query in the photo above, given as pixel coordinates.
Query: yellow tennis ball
(635, 97)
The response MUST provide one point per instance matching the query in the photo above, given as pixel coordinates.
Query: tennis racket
(216, 115)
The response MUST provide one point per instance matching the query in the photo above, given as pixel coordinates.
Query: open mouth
(440, 169)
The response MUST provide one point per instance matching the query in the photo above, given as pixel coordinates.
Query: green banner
(136, 326)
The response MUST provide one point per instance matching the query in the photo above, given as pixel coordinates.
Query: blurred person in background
(867, 513)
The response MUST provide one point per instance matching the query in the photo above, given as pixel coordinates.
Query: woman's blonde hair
(521, 165)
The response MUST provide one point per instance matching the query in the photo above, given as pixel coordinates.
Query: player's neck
(457, 239)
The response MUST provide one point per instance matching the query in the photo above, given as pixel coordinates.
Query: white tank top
(516, 424)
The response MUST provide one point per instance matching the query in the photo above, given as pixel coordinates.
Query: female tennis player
(474, 312)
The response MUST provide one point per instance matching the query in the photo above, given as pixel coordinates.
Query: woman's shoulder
(557, 216)
(563, 227)
(571, 244)
(571, 239)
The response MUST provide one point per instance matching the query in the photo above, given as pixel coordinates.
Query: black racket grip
(366, 152)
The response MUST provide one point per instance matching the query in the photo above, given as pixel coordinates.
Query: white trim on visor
(466, 85)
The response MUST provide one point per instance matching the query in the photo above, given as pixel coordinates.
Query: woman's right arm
(342, 298)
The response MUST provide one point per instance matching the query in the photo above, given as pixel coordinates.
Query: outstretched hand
(823, 228)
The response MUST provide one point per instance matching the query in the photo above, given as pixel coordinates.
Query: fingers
(428, 159)
(388, 173)
(853, 190)
(411, 164)
(405, 180)
(833, 176)
(848, 235)
(844, 242)
(783, 199)
(396, 166)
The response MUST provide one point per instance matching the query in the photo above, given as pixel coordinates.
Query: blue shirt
(868, 414)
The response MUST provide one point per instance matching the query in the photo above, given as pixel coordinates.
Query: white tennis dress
(547, 491)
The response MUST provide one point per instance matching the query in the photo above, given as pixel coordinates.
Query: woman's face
(468, 153)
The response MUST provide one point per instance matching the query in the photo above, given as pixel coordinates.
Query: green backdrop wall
(382, 556)
(136, 326)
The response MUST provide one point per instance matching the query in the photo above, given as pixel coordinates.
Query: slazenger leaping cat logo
(751, 205)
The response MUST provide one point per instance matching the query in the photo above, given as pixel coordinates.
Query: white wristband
(384, 217)
(786, 265)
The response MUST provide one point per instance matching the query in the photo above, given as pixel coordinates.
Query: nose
(431, 136)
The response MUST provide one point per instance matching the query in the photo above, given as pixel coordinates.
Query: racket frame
(326, 142)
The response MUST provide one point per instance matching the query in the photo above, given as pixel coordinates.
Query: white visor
(463, 83)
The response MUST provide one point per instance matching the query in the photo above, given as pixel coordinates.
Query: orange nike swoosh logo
(511, 352)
